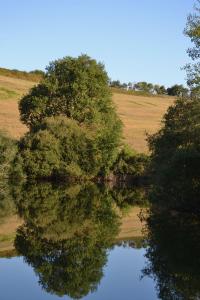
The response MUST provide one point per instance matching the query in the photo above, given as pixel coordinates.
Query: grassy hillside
(140, 114)
(31, 76)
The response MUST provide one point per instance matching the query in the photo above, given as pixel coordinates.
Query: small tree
(144, 87)
(8, 149)
(61, 148)
(160, 89)
(116, 83)
(177, 90)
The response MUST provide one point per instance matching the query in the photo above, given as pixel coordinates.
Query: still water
(84, 242)
(121, 279)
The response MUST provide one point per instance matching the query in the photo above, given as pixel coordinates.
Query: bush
(8, 149)
(130, 163)
(61, 148)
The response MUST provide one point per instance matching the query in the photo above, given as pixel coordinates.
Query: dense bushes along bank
(74, 130)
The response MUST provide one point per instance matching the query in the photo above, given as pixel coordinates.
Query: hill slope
(139, 114)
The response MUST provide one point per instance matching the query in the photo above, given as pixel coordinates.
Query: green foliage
(176, 156)
(8, 149)
(74, 87)
(126, 197)
(144, 87)
(62, 148)
(85, 132)
(35, 106)
(38, 73)
(173, 254)
(39, 153)
(177, 90)
(7, 205)
(130, 163)
(116, 84)
(192, 30)
(160, 89)
(66, 234)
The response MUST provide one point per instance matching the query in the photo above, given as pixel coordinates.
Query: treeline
(35, 75)
(139, 87)
(151, 89)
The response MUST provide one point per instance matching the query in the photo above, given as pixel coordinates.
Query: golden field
(139, 114)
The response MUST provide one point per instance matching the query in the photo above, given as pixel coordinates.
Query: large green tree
(74, 127)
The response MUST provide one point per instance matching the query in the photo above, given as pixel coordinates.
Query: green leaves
(8, 149)
(72, 112)
(74, 87)
(176, 157)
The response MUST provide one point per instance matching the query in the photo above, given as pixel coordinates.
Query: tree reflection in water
(68, 231)
(173, 254)
(66, 234)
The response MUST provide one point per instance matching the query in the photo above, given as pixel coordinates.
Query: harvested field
(139, 114)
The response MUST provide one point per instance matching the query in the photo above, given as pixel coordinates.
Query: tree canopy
(73, 87)
(74, 127)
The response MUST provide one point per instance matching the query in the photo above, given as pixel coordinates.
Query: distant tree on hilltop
(177, 90)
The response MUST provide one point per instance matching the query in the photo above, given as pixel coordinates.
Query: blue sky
(136, 39)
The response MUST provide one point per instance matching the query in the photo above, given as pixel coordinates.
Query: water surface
(80, 242)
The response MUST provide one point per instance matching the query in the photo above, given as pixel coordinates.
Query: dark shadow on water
(173, 254)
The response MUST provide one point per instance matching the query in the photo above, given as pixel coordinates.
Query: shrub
(8, 150)
(130, 163)
(40, 154)
(61, 148)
